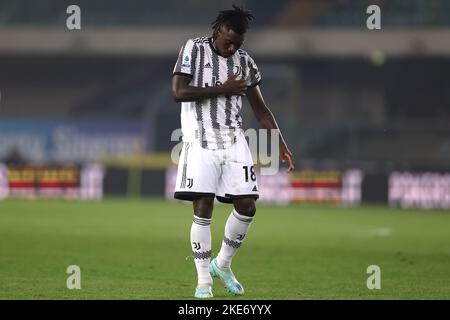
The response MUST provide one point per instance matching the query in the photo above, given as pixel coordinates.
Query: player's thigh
(198, 173)
(238, 178)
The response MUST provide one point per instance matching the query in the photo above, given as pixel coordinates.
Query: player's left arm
(267, 120)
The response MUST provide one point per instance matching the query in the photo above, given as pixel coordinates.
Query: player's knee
(246, 207)
(203, 207)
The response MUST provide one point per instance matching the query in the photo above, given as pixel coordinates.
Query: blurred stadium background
(347, 98)
(88, 114)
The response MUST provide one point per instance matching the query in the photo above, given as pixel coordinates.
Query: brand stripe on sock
(202, 221)
(242, 217)
(231, 243)
(202, 255)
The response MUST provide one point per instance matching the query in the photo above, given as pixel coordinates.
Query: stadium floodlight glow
(377, 57)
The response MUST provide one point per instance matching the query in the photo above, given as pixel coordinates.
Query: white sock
(235, 230)
(201, 248)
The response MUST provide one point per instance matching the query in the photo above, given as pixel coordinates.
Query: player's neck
(213, 43)
(213, 46)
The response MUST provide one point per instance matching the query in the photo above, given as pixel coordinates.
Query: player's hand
(286, 155)
(233, 86)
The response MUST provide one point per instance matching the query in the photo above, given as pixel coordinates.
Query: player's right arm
(185, 70)
(182, 90)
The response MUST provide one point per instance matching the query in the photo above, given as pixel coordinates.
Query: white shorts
(227, 174)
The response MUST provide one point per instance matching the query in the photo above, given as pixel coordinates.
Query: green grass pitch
(139, 249)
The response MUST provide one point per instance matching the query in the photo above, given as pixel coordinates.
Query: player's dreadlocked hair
(236, 20)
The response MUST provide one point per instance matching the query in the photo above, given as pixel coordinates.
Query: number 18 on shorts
(224, 173)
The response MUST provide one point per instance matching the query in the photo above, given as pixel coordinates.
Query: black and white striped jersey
(217, 121)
